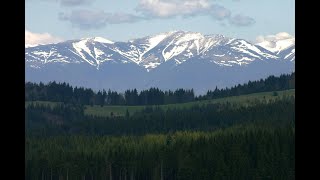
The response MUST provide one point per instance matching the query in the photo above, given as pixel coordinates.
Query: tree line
(63, 92)
(272, 83)
(68, 119)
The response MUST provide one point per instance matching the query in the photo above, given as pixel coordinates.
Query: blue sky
(56, 20)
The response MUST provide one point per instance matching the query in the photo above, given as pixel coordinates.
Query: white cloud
(241, 20)
(88, 19)
(274, 38)
(219, 12)
(151, 9)
(40, 38)
(68, 3)
(75, 2)
(171, 8)
(279, 41)
(187, 8)
(85, 19)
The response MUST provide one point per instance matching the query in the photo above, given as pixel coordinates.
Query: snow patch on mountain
(102, 40)
(151, 65)
(30, 45)
(291, 53)
(98, 52)
(244, 59)
(80, 47)
(153, 41)
(176, 50)
(183, 42)
(219, 55)
(189, 36)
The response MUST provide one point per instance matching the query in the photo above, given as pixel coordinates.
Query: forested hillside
(246, 140)
(63, 92)
(44, 120)
(240, 153)
(214, 141)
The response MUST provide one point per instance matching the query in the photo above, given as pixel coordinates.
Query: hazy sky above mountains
(56, 20)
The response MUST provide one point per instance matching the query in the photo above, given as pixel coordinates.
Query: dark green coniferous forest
(246, 140)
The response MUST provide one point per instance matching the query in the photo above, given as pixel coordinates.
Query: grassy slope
(240, 100)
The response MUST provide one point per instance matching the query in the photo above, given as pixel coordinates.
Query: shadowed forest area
(203, 141)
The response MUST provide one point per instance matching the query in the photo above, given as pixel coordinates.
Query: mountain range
(170, 60)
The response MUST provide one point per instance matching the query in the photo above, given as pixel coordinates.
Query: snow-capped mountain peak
(97, 39)
(172, 60)
(102, 40)
(30, 45)
(176, 47)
